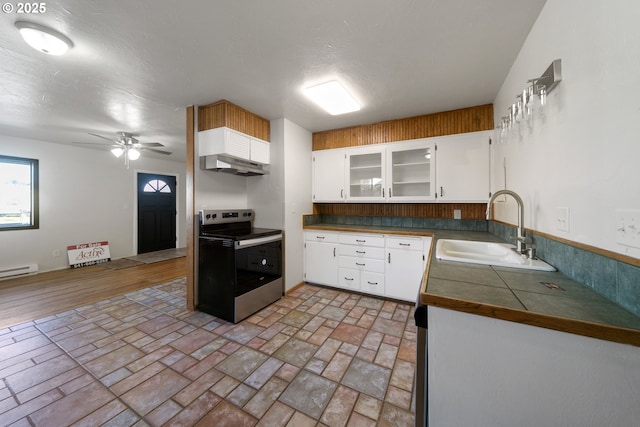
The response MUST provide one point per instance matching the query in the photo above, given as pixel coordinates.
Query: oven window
(257, 266)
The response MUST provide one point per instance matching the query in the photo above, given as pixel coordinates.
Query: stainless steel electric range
(239, 266)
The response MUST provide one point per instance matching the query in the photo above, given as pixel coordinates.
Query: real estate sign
(88, 254)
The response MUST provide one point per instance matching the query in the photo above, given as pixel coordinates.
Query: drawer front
(362, 240)
(362, 264)
(361, 251)
(349, 278)
(320, 236)
(409, 243)
(372, 282)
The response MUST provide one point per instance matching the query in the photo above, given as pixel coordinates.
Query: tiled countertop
(545, 299)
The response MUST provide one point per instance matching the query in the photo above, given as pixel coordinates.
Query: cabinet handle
(389, 191)
(347, 278)
(361, 265)
(389, 258)
(320, 237)
(372, 283)
(342, 193)
(441, 193)
(404, 244)
(334, 252)
(361, 252)
(383, 192)
(360, 241)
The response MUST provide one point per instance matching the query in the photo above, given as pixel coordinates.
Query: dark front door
(156, 212)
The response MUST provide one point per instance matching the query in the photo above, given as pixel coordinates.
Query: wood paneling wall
(225, 114)
(414, 210)
(470, 119)
(464, 120)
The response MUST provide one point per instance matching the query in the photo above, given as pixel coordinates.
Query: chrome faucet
(521, 240)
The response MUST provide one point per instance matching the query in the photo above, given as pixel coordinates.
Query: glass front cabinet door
(365, 174)
(411, 171)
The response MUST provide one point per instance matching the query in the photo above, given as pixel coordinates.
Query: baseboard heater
(21, 270)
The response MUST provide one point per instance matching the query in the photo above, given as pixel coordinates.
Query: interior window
(18, 193)
(156, 186)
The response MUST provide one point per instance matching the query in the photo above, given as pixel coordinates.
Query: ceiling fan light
(44, 39)
(133, 154)
(117, 151)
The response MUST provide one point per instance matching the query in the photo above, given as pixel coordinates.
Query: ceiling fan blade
(100, 136)
(96, 144)
(149, 144)
(155, 150)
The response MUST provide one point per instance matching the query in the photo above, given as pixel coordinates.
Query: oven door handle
(258, 241)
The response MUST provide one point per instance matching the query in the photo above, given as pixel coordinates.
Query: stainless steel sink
(487, 253)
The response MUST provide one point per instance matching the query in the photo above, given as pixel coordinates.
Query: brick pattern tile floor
(316, 357)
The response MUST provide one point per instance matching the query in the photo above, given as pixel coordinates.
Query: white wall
(284, 195)
(266, 194)
(490, 372)
(297, 157)
(86, 195)
(585, 153)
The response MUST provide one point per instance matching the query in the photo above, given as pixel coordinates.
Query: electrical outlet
(628, 227)
(562, 219)
(457, 214)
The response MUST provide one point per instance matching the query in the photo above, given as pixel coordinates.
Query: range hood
(232, 165)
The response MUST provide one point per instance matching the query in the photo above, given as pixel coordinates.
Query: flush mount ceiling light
(333, 97)
(43, 38)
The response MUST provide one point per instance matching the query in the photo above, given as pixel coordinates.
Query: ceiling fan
(126, 143)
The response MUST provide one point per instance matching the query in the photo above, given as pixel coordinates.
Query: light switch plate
(628, 227)
(457, 214)
(562, 219)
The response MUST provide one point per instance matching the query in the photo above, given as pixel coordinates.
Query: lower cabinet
(361, 262)
(378, 264)
(406, 262)
(321, 258)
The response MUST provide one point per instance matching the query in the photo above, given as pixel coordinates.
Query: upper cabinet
(462, 169)
(232, 143)
(411, 171)
(328, 175)
(365, 174)
(225, 128)
(447, 169)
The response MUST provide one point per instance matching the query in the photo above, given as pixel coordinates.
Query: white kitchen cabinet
(463, 168)
(236, 144)
(446, 169)
(377, 264)
(411, 171)
(365, 171)
(321, 257)
(361, 262)
(537, 376)
(260, 151)
(405, 265)
(328, 169)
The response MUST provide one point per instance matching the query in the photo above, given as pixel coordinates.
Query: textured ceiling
(136, 65)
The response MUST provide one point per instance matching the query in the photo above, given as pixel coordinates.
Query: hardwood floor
(33, 297)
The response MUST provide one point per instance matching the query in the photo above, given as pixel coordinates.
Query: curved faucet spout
(520, 238)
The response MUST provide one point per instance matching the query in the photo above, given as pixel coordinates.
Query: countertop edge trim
(588, 329)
